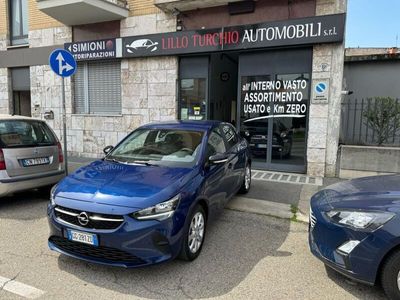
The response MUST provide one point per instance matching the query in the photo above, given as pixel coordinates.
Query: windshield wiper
(143, 162)
(114, 160)
(134, 162)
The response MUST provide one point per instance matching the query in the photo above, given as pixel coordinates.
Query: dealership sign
(305, 31)
(313, 30)
(93, 50)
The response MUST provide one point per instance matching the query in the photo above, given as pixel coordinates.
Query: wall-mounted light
(347, 92)
(179, 25)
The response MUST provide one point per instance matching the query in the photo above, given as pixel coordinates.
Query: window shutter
(79, 89)
(104, 87)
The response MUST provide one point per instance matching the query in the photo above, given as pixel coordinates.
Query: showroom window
(98, 88)
(18, 16)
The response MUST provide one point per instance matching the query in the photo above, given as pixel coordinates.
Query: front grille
(313, 219)
(96, 221)
(100, 252)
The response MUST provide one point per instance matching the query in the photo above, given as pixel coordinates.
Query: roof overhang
(77, 12)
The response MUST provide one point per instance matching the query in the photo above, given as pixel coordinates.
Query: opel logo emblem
(83, 218)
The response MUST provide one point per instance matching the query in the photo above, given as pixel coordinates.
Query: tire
(191, 247)
(389, 276)
(246, 184)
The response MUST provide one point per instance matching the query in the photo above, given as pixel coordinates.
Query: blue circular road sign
(320, 87)
(62, 63)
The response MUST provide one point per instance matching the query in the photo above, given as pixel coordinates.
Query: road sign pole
(64, 65)
(64, 117)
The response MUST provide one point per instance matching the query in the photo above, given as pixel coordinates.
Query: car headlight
(159, 212)
(360, 220)
(52, 195)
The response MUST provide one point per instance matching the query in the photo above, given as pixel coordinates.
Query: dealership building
(272, 68)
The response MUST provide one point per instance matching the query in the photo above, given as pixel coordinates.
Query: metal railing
(355, 130)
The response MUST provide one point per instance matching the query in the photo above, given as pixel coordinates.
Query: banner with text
(305, 31)
(262, 98)
(312, 30)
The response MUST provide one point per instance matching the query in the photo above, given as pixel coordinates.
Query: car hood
(115, 184)
(374, 193)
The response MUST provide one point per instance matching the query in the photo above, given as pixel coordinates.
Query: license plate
(82, 237)
(35, 161)
(262, 146)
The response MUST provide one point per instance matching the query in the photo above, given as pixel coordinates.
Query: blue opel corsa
(355, 229)
(150, 198)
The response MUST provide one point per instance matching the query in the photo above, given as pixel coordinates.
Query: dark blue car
(150, 198)
(355, 229)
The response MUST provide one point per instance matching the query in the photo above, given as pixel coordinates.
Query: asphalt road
(245, 256)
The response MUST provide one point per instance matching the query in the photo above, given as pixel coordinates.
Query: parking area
(245, 256)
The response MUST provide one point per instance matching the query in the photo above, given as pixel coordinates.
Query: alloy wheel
(196, 232)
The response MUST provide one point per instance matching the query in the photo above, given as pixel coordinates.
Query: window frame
(21, 39)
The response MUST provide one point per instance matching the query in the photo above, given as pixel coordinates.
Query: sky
(373, 23)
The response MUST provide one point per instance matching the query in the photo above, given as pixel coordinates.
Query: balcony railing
(77, 12)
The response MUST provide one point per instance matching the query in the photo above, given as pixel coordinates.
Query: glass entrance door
(273, 106)
(254, 117)
(289, 125)
(193, 88)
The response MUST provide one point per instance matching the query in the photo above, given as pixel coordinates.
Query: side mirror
(108, 149)
(218, 159)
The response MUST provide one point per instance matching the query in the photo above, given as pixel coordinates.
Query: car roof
(16, 117)
(188, 125)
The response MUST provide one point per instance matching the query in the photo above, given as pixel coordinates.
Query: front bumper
(362, 263)
(133, 244)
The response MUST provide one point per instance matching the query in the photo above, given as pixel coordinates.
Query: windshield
(169, 147)
(25, 133)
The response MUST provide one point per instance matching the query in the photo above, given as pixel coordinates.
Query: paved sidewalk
(281, 197)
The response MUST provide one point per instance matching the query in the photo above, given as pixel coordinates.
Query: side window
(230, 135)
(215, 143)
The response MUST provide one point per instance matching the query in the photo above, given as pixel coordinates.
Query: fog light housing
(348, 247)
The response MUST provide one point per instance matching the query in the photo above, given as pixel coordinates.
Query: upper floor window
(18, 16)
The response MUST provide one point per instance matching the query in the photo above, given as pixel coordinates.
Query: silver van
(30, 155)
